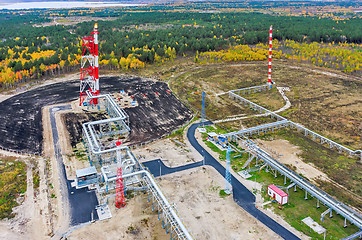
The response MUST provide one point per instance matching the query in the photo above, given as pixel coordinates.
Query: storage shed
(277, 194)
(86, 177)
(212, 136)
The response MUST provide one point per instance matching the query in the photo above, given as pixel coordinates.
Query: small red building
(277, 194)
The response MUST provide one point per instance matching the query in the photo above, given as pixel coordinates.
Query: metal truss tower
(89, 78)
(228, 185)
(203, 108)
(120, 200)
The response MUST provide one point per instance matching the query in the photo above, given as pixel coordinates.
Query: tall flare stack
(96, 73)
(89, 76)
(270, 82)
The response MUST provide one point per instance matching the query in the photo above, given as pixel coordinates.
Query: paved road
(80, 201)
(242, 196)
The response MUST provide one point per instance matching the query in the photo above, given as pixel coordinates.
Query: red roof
(278, 191)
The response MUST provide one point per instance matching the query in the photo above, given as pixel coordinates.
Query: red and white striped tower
(89, 78)
(270, 82)
(120, 200)
(96, 73)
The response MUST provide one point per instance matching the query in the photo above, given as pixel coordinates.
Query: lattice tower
(89, 76)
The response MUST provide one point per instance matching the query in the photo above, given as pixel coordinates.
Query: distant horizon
(67, 4)
(127, 1)
(46, 4)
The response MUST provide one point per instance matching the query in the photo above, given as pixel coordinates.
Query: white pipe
(164, 199)
(122, 117)
(337, 206)
(233, 94)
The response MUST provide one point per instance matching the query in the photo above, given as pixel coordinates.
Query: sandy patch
(287, 153)
(169, 152)
(206, 214)
(137, 215)
(29, 221)
(60, 209)
(253, 186)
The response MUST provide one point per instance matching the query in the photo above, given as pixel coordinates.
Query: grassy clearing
(326, 104)
(323, 103)
(215, 79)
(236, 158)
(36, 177)
(168, 69)
(179, 133)
(12, 184)
(223, 194)
(298, 208)
(342, 169)
(270, 99)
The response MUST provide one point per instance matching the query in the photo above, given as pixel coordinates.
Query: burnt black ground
(74, 121)
(21, 122)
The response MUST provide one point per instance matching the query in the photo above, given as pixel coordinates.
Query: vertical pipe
(203, 114)
(270, 56)
(228, 185)
(317, 203)
(306, 195)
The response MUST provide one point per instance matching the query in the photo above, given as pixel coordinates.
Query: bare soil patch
(196, 195)
(288, 154)
(136, 221)
(67, 21)
(29, 221)
(171, 153)
(206, 214)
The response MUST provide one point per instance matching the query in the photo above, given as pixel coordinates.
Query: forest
(31, 47)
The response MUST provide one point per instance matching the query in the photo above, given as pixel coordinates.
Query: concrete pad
(244, 174)
(314, 225)
(201, 130)
(104, 212)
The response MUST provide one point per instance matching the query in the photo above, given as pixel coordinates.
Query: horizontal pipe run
(258, 128)
(232, 94)
(164, 200)
(122, 116)
(337, 206)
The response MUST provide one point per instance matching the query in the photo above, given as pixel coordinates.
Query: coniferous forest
(39, 43)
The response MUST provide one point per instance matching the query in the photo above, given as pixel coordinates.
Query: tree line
(136, 38)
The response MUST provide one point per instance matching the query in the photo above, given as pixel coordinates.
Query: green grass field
(342, 169)
(12, 184)
(298, 208)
